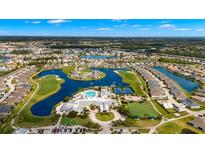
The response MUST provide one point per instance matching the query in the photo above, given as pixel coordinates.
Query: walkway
(106, 125)
(13, 120)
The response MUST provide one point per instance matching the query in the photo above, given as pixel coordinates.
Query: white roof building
(104, 108)
(168, 105)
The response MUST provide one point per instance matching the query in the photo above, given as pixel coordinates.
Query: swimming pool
(90, 93)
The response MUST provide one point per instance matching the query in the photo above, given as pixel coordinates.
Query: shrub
(72, 114)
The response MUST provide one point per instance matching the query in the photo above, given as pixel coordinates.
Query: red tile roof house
(198, 123)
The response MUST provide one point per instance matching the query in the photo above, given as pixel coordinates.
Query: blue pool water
(187, 84)
(3, 59)
(90, 93)
(69, 87)
(97, 57)
(126, 90)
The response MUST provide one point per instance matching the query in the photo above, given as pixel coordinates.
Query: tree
(66, 99)
(72, 114)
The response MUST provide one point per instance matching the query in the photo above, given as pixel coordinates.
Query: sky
(103, 27)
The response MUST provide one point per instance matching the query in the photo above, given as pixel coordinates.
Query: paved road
(163, 121)
(194, 113)
(58, 123)
(148, 97)
(106, 125)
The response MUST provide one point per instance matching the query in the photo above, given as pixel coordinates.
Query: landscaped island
(83, 73)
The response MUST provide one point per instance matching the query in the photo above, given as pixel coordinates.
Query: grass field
(144, 130)
(132, 80)
(79, 121)
(68, 69)
(143, 83)
(142, 109)
(163, 111)
(47, 86)
(104, 116)
(176, 127)
(129, 122)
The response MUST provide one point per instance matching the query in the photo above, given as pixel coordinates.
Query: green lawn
(47, 86)
(129, 122)
(104, 116)
(68, 69)
(176, 127)
(79, 121)
(163, 111)
(132, 80)
(143, 83)
(144, 130)
(142, 109)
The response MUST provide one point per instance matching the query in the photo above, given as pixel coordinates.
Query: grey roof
(189, 103)
(5, 108)
(199, 122)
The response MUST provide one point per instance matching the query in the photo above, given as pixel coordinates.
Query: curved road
(13, 120)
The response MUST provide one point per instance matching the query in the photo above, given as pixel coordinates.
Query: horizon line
(103, 36)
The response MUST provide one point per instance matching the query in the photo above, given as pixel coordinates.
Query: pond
(187, 84)
(70, 87)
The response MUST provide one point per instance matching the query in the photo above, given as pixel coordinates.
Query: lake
(187, 84)
(69, 87)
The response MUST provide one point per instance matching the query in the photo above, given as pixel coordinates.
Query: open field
(141, 109)
(47, 86)
(68, 69)
(176, 127)
(143, 82)
(79, 121)
(104, 116)
(163, 111)
(129, 122)
(131, 79)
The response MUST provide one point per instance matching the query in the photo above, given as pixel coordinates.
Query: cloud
(136, 25)
(173, 27)
(32, 22)
(83, 27)
(165, 21)
(35, 22)
(119, 20)
(4, 32)
(144, 29)
(58, 21)
(200, 30)
(104, 29)
(183, 29)
(167, 26)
